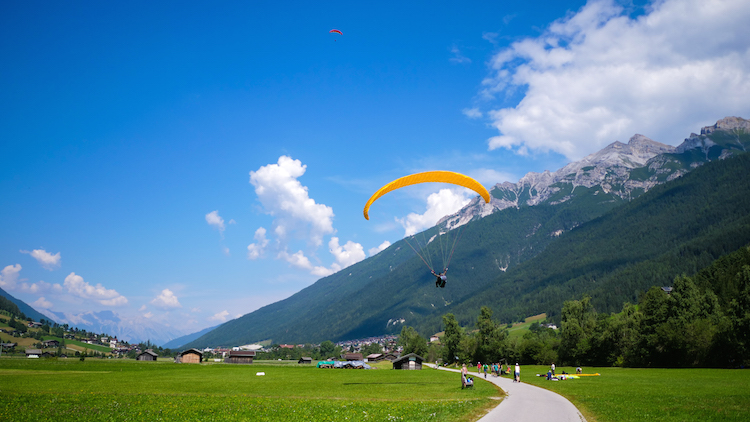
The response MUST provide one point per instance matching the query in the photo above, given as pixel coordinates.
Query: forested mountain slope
(676, 228)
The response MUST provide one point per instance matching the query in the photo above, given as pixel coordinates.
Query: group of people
(496, 369)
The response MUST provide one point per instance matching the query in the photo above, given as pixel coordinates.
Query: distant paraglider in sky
(447, 246)
(335, 31)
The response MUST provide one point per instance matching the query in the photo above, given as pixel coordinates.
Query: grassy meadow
(674, 395)
(114, 390)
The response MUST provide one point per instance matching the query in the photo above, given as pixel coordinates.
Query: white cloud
(9, 276)
(439, 204)
(472, 113)
(42, 303)
(142, 308)
(166, 300)
(77, 287)
(220, 317)
(346, 255)
(598, 76)
(40, 287)
(255, 250)
(214, 219)
(45, 259)
(383, 246)
(148, 314)
(288, 201)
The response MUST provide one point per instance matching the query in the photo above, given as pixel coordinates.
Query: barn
(147, 355)
(191, 356)
(352, 356)
(410, 361)
(305, 359)
(240, 356)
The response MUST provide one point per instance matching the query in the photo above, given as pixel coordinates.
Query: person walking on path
(517, 373)
(527, 403)
(485, 367)
(479, 367)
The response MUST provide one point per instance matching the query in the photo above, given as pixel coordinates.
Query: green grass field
(113, 389)
(629, 394)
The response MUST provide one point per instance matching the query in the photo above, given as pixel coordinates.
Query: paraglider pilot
(440, 278)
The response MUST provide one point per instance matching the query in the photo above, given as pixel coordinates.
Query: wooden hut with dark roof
(147, 355)
(240, 356)
(352, 356)
(410, 361)
(305, 359)
(191, 356)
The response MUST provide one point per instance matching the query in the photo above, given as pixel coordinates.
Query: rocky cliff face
(622, 170)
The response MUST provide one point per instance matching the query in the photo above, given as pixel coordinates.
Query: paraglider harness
(440, 278)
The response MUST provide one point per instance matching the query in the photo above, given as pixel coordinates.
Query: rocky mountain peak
(608, 169)
(727, 123)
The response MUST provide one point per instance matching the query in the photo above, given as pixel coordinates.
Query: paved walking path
(527, 403)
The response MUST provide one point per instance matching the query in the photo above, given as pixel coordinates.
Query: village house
(147, 355)
(191, 356)
(411, 361)
(352, 356)
(50, 343)
(240, 356)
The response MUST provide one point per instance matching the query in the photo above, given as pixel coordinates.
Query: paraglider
(426, 177)
(335, 31)
(437, 176)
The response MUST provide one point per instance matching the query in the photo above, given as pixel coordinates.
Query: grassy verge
(37, 390)
(629, 394)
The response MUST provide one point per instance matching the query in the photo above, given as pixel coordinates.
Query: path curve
(528, 403)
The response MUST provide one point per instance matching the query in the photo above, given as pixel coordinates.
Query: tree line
(700, 321)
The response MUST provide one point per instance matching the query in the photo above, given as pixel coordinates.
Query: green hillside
(18, 307)
(525, 261)
(676, 228)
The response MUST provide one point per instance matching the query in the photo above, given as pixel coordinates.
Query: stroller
(466, 382)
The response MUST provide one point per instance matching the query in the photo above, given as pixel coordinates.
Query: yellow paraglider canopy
(437, 176)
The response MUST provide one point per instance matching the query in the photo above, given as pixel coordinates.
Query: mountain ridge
(378, 294)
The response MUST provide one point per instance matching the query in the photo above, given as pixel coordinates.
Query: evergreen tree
(451, 339)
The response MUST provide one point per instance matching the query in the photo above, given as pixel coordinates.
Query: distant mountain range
(133, 330)
(611, 225)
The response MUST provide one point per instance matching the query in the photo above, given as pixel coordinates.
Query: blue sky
(190, 163)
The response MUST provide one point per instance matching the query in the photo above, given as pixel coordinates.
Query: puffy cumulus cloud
(255, 250)
(288, 201)
(9, 276)
(296, 216)
(166, 300)
(220, 316)
(76, 286)
(45, 259)
(440, 204)
(599, 75)
(214, 219)
(346, 255)
(376, 250)
(42, 303)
